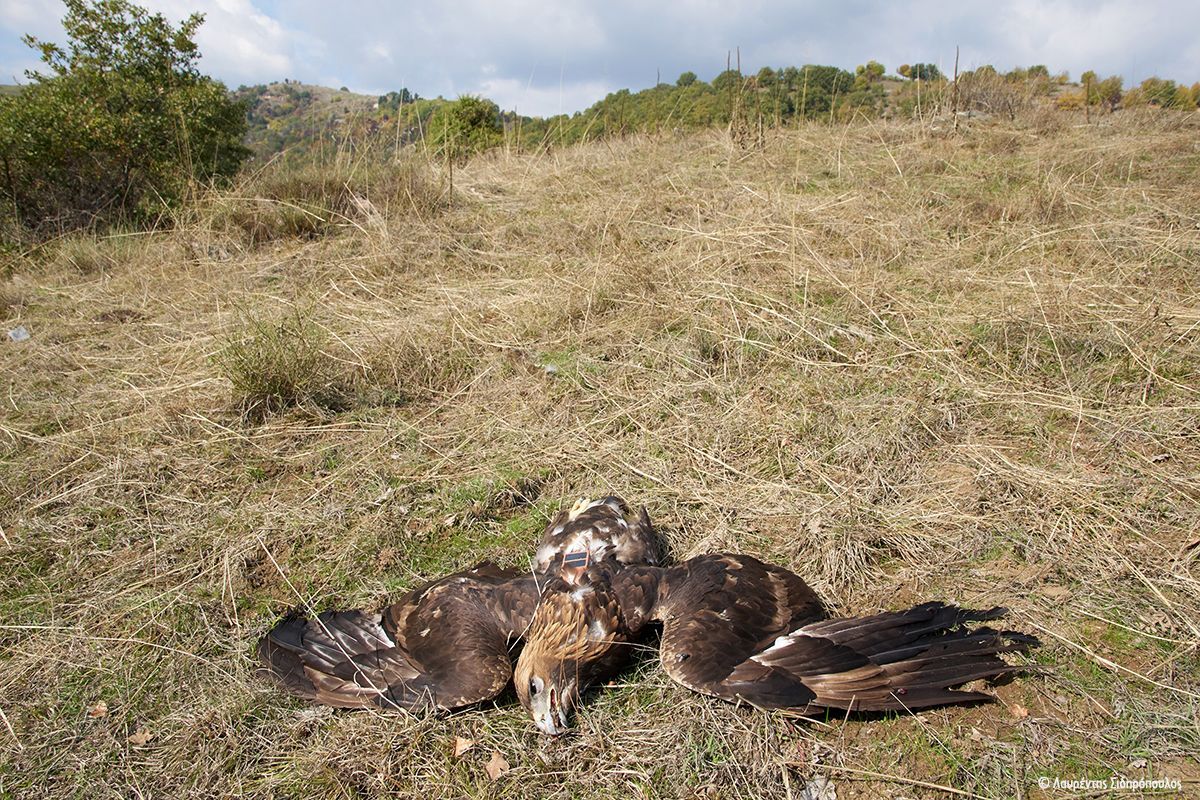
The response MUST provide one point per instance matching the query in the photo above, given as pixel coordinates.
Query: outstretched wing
(445, 645)
(740, 629)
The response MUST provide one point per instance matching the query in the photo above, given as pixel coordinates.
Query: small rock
(819, 787)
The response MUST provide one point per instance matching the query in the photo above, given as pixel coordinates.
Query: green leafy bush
(468, 125)
(122, 125)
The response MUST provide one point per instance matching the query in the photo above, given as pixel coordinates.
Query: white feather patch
(783, 641)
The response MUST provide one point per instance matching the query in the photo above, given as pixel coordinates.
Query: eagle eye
(535, 686)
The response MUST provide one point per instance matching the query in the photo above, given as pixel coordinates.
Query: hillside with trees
(300, 120)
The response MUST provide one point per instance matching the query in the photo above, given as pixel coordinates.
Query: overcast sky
(545, 57)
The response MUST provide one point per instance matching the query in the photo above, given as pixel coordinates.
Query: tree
(867, 90)
(122, 124)
(924, 72)
(904, 70)
(468, 125)
(868, 73)
(728, 79)
(1158, 91)
(686, 79)
(1090, 80)
(1108, 91)
(393, 100)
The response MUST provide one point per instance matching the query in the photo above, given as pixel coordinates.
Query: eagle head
(575, 638)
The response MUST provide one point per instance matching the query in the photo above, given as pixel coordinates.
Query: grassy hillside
(907, 365)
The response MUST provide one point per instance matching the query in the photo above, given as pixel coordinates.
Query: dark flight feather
(444, 645)
(739, 629)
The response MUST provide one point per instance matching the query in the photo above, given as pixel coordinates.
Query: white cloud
(544, 101)
(239, 43)
(380, 52)
(20, 14)
(565, 55)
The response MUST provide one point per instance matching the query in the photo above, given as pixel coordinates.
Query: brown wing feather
(720, 610)
(443, 645)
(740, 629)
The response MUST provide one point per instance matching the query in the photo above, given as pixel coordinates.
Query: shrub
(468, 125)
(121, 126)
(984, 89)
(279, 362)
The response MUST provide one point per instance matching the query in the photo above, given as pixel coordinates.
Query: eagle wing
(739, 629)
(444, 645)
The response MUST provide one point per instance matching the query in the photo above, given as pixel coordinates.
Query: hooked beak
(550, 716)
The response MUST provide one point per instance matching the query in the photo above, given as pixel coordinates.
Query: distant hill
(301, 121)
(9, 89)
(298, 121)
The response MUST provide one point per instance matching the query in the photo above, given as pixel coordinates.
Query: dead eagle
(733, 627)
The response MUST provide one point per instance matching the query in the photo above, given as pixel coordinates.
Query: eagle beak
(551, 717)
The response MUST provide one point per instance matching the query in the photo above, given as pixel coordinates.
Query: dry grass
(287, 202)
(908, 366)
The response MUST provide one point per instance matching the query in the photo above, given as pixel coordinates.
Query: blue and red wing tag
(575, 564)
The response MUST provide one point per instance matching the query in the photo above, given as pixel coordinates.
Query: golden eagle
(732, 627)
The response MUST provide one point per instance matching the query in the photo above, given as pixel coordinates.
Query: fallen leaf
(1137, 763)
(140, 738)
(98, 710)
(497, 766)
(1018, 711)
(462, 745)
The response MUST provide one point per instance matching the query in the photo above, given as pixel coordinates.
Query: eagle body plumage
(733, 627)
